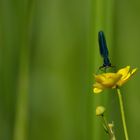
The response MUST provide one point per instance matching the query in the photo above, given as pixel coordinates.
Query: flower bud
(111, 125)
(100, 110)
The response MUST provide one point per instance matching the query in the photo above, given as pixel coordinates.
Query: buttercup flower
(112, 80)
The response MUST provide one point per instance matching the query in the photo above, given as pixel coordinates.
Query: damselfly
(103, 50)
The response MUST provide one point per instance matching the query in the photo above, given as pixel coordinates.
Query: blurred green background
(48, 54)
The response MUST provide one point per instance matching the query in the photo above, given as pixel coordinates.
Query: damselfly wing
(103, 50)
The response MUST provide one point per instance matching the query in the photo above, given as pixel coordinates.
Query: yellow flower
(112, 80)
(105, 80)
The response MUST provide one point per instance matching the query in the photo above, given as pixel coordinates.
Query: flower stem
(122, 113)
(108, 129)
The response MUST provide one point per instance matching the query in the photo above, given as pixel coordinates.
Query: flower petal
(97, 87)
(97, 90)
(124, 71)
(99, 78)
(133, 71)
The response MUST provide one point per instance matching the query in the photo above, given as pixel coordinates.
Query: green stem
(106, 124)
(122, 113)
(110, 132)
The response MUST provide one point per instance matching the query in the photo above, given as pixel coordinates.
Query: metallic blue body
(103, 50)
